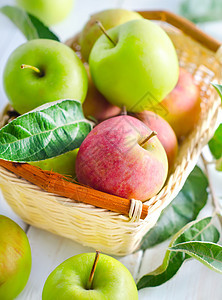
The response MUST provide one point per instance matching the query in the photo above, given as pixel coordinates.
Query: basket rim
(184, 25)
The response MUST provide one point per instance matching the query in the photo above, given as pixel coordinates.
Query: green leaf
(199, 11)
(29, 25)
(201, 230)
(50, 130)
(209, 254)
(43, 31)
(215, 144)
(218, 88)
(182, 210)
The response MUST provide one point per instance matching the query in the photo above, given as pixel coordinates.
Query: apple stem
(153, 133)
(23, 66)
(90, 281)
(105, 32)
(124, 111)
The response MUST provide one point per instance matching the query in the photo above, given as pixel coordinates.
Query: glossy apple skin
(111, 160)
(48, 11)
(182, 105)
(95, 105)
(164, 131)
(68, 281)
(15, 259)
(140, 70)
(63, 164)
(109, 19)
(64, 75)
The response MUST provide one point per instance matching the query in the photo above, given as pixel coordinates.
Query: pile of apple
(128, 71)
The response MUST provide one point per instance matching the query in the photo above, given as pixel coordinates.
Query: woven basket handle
(219, 54)
(58, 184)
(184, 25)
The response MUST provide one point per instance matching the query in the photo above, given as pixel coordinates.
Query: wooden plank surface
(194, 281)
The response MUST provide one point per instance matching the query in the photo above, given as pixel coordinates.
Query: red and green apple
(15, 259)
(182, 106)
(120, 156)
(164, 131)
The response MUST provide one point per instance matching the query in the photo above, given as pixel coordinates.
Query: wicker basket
(116, 225)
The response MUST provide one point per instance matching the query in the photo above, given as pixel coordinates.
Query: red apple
(164, 131)
(120, 157)
(182, 106)
(95, 104)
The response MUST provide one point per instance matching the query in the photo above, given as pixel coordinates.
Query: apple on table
(86, 276)
(15, 259)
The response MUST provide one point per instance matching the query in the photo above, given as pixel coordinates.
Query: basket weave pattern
(108, 231)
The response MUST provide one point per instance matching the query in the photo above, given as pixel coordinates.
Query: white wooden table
(193, 281)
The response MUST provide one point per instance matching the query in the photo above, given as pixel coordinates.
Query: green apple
(50, 71)
(109, 18)
(136, 66)
(15, 259)
(63, 164)
(83, 277)
(48, 11)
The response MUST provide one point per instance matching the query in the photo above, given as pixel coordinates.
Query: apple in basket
(86, 276)
(134, 65)
(182, 105)
(63, 164)
(15, 259)
(95, 104)
(109, 18)
(50, 71)
(165, 133)
(123, 157)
